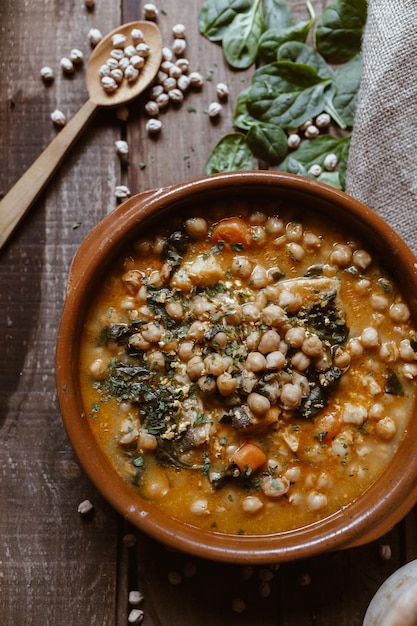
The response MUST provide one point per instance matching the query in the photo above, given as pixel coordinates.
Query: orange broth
(262, 328)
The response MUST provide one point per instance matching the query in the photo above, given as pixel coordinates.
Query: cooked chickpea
(290, 396)
(255, 362)
(226, 384)
(295, 336)
(151, 332)
(207, 384)
(196, 331)
(388, 351)
(146, 441)
(196, 227)
(275, 486)
(341, 255)
(259, 277)
(214, 364)
(362, 259)
(341, 358)
(270, 342)
(379, 303)
(251, 505)
(301, 361)
(219, 340)
(407, 353)
(195, 367)
(273, 315)
(252, 340)
(369, 337)
(241, 266)
(200, 507)
(316, 501)
(251, 312)
(294, 231)
(386, 428)
(399, 312)
(139, 342)
(98, 369)
(296, 251)
(156, 360)
(258, 404)
(312, 346)
(275, 360)
(354, 347)
(274, 226)
(174, 310)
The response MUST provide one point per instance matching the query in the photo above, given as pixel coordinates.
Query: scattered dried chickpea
(293, 140)
(58, 118)
(178, 31)
(47, 74)
(66, 65)
(150, 12)
(94, 36)
(121, 192)
(222, 91)
(153, 126)
(214, 110)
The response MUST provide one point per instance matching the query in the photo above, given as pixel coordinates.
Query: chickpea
(258, 404)
(151, 332)
(226, 384)
(296, 251)
(312, 346)
(295, 336)
(146, 441)
(294, 231)
(275, 486)
(219, 340)
(275, 360)
(200, 507)
(233, 315)
(290, 396)
(354, 347)
(196, 227)
(207, 384)
(196, 331)
(369, 337)
(273, 315)
(379, 303)
(257, 218)
(98, 369)
(214, 364)
(195, 367)
(399, 312)
(252, 340)
(139, 342)
(316, 501)
(406, 351)
(251, 505)
(341, 255)
(289, 301)
(376, 411)
(389, 351)
(301, 361)
(255, 362)
(310, 240)
(241, 266)
(251, 312)
(174, 310)
(186, 350)
(274, 225)
(342, 358)
(156, 360)
(269, 342)
(386, 428)
(362, 259)
(259, 277)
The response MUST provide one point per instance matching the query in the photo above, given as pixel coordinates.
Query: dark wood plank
(55, 565)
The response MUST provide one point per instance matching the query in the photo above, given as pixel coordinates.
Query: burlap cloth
(382, 166)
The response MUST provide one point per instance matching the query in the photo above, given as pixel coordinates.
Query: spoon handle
(17, 202)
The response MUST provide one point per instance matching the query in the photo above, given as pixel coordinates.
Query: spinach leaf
(241, 39)
(340, 102)
(242, 119)
(267, 142)
(231, 153)
(272, 39)
(286, 94)
(276, 14)
(338, 32)
(300, 53)
(314, 151)
(216, 15)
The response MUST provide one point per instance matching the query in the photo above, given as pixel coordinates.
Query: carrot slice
(249, 456)
(232, 230)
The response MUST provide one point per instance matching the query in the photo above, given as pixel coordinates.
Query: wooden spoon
(23, 194)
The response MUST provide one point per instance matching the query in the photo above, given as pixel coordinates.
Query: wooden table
(57, 567)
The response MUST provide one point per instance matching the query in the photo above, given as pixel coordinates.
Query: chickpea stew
(248, 370)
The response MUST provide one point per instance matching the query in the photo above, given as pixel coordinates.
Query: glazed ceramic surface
(366, 518)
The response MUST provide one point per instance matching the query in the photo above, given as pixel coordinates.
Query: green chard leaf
(231, 153)
(241, 39)
(268, 142)
(338, 32)
(216, 15)
(286, 94)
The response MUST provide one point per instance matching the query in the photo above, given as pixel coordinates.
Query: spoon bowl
(126, 91)
(20, 198)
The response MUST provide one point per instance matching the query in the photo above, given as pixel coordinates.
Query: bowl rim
(353, 525)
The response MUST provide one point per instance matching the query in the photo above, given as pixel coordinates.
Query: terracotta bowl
(368, 517)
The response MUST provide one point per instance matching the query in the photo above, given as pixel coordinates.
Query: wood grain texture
(56, 567)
